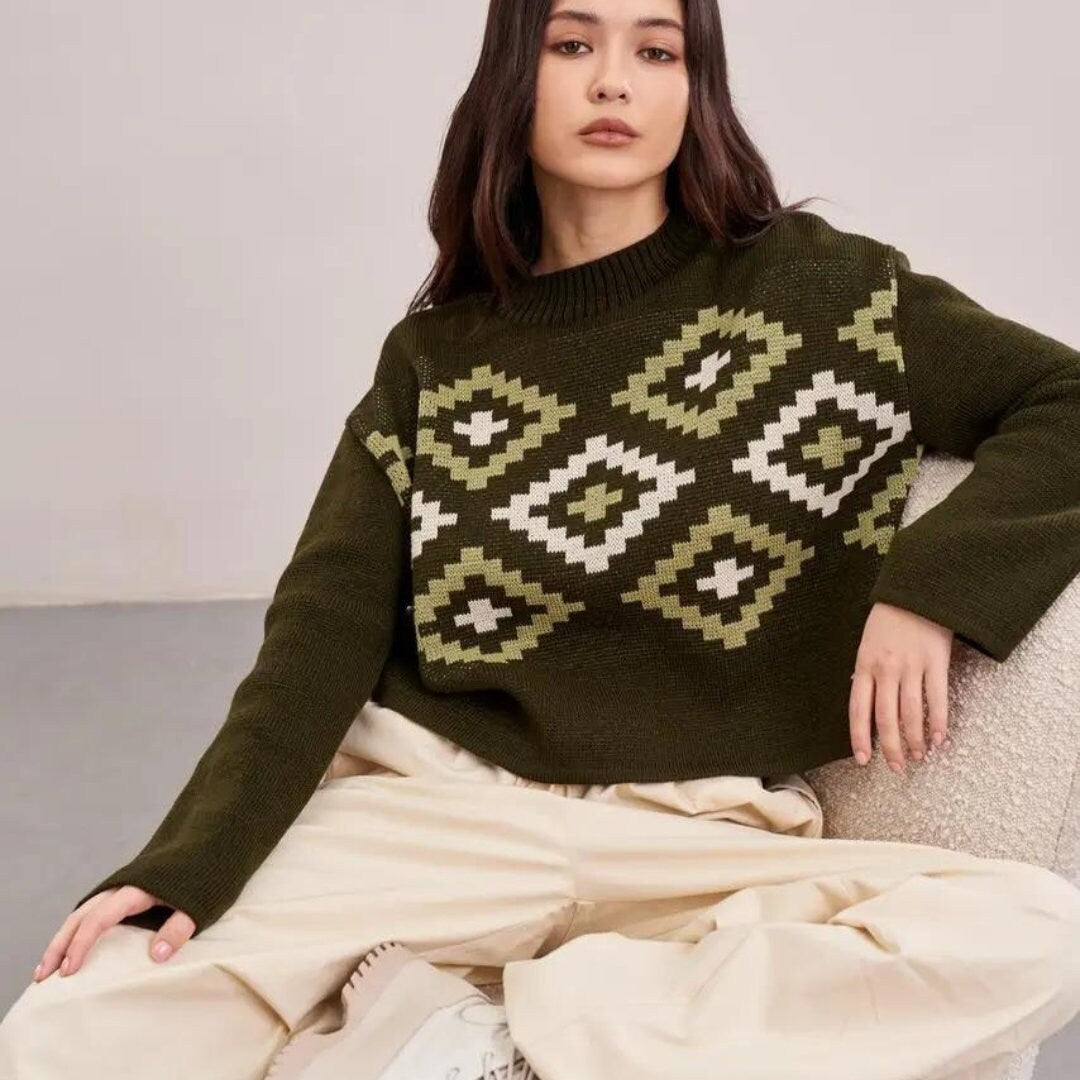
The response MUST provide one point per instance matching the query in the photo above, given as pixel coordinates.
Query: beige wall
(212, 212)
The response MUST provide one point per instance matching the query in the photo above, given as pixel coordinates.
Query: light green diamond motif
(721, 522)
(536, 415)
(705, 409)
(508, 642)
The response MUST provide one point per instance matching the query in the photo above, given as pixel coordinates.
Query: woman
(606, 555)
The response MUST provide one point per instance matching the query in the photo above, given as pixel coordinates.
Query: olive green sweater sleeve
(327, 632)
(991, 557)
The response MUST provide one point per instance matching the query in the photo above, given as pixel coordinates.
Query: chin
(610, 175)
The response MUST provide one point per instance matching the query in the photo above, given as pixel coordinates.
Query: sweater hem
(657, 765)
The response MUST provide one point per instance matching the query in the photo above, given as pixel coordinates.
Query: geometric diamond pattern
(824, 445)
(590, 508)
(700, 400)
(489, 422)
(722, 579)
(477, 610)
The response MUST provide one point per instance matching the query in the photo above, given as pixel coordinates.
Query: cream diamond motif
(526, 511)
(866, 406)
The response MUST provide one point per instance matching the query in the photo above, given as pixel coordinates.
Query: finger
(937, 701)
(57, 947)
(90, 928)
(886, 697)
(176, 929)
(859, 709)
(911, 710)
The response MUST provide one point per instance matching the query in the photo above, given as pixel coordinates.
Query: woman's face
(597, 61)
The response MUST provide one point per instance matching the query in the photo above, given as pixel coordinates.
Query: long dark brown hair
(484, 212)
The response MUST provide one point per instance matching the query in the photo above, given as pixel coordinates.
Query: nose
(604, 91)
(611, 80)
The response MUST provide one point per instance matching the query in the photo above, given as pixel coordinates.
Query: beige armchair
(1009, 786)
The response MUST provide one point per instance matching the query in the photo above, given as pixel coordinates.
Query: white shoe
(407, 1020)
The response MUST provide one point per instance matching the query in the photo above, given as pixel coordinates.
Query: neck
(585, 289)
(576, 243)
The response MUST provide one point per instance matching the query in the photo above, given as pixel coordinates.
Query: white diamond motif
(526, 510)
(796, 485)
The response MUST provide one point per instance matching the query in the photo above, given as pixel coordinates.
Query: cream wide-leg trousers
(687, 930)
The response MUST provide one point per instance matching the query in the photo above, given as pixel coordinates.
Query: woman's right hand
(98, 913)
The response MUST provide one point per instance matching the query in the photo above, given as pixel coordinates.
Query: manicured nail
(162, 950)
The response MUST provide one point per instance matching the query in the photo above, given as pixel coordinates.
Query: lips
(608, 124)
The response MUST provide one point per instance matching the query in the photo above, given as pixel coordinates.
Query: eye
(560, 49)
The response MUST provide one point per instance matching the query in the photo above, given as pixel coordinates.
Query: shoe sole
(418, 989)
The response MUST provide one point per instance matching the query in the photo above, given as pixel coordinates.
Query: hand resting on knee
(82, 928)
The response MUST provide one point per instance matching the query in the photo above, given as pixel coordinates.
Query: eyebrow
(590, 17)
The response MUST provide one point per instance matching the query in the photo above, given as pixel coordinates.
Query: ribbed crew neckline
(589, 288)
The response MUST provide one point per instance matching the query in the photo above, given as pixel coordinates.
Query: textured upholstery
(1008, 787)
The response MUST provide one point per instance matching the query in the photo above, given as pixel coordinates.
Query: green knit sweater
(629, 526)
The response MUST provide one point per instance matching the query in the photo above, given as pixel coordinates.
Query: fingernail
(64, 966)
(861, 757)
(917, 755)
(162, 950)
(938, 737)
(896, 766)
(37, 970)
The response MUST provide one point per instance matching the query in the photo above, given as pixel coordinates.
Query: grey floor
(105, 710)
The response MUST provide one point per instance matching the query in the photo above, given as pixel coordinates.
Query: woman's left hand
(900, 653)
